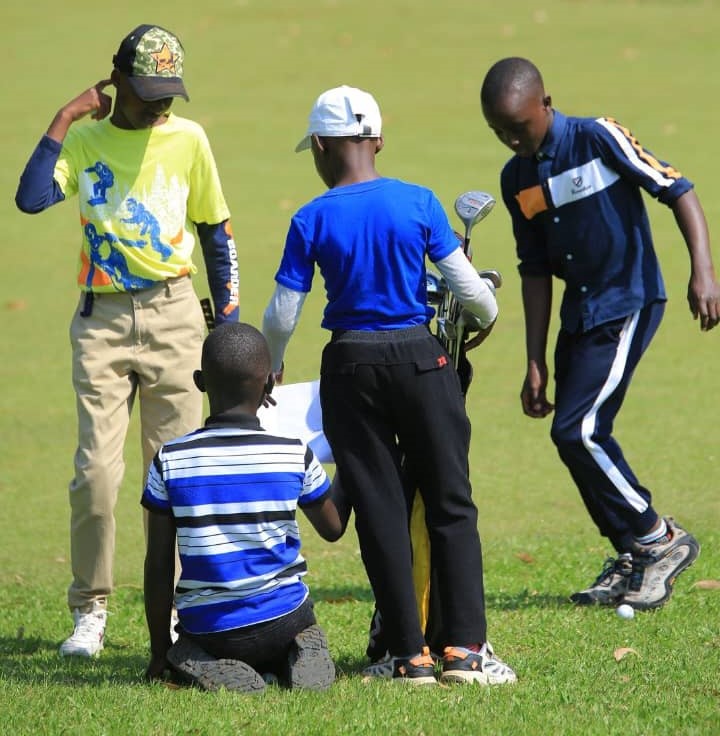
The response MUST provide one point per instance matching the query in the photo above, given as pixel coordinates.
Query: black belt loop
(87, 308)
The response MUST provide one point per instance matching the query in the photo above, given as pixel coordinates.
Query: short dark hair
(235, 360)
(513, 74)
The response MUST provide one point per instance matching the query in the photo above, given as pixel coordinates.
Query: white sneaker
(88, 634)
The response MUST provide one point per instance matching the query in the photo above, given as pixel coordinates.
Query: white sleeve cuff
(471, 290)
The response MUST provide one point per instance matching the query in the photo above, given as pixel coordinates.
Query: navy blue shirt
(578, 214)
(370, 241)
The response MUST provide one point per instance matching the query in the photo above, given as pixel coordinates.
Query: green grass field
(253, 69)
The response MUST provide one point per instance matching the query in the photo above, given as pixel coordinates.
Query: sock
(474, 648)
(659, 535)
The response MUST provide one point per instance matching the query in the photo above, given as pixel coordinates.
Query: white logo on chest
(580, 182)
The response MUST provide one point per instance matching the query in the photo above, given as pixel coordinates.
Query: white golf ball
(625, 611)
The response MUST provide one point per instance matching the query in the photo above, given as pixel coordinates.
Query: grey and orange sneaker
(385, 666)
(656, 566)
(382, 668)
(416, 670)
(484, 667)
(609, 586)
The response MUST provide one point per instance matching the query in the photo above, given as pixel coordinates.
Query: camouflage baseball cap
(152, 58)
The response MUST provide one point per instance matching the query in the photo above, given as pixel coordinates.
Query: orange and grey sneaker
(417, 670)
(383, 667)
(484, 667)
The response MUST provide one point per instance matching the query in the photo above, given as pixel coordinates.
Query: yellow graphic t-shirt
(139, 191)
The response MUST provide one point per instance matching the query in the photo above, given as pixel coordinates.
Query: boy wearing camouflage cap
(148, 189)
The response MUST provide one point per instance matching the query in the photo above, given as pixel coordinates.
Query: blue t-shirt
(370, 241)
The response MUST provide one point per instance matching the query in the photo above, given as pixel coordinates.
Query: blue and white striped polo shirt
(578, 213)
(233, 491)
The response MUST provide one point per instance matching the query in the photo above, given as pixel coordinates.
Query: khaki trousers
(140, 345)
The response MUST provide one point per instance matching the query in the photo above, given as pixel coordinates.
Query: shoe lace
(610, 567)
(89, 626)
(638, 572)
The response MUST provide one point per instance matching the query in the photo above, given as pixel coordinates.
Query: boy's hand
(268, 401)
(279, 375)
(703, 297)
(479, 337)
(533, 396)
(157, 668)
(276, 377)
(92, 101)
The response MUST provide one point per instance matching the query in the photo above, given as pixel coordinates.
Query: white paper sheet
(298, 414)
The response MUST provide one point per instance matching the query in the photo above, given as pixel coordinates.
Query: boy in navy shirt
(573, 190)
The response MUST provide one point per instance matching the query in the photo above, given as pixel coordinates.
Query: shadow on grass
(342, 593)
(524, 599)
(350, 666)
(505, 600)
(36, 660)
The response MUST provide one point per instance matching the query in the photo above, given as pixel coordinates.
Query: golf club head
(435, 286)
(471, 207)
(492, 277)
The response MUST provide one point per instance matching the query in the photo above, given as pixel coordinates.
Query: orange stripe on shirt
(646, 156)
(531, 201)
(100, 278)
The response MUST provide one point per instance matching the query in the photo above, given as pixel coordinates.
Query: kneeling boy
(229, 493)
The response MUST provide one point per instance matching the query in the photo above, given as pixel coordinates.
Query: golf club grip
(207, 309)
(451, 312)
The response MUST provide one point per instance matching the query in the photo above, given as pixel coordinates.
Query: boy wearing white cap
(387, 386)
(148, 189)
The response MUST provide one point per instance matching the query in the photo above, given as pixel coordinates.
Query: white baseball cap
(343, 111)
